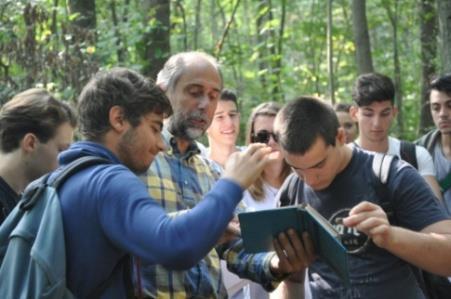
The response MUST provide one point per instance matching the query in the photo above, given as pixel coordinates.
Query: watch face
(355, 242)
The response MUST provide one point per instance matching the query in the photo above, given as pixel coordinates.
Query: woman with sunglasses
(262, 194)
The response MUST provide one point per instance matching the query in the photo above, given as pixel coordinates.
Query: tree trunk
(87, 13)
(444, 17)
(213, 20)
(220, 44)
(393, 17)
(180, 7)
(261, 47)
(361, 37)
(277, 69)
(120, 51)
(157, 42)
(428, 39)
(197, 25)
(30, 55)
(330, 62)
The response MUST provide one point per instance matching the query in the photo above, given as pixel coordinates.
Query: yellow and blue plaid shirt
(178, 182)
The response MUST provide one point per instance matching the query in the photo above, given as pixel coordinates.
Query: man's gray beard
(180, 130)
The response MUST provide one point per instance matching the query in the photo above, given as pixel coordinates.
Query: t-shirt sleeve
(415, 205)
(425, 162)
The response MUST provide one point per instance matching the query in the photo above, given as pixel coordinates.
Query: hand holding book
(260, 228)
(293, 254)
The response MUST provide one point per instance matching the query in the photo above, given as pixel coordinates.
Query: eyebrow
(222, 112)
(372, 110)
(197, 85)
(313, 166)
(440, 103)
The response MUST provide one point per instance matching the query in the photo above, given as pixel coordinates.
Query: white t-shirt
(424, 159)
(267, 202)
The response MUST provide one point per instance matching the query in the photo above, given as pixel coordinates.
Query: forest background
(270, 49)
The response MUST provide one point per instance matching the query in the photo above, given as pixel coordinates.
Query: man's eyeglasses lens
(263, 136)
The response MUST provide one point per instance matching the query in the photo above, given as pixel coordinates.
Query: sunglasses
(263, 136)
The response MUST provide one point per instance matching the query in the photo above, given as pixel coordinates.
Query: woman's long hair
(265, 109)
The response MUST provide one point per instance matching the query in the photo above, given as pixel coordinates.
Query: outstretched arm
(429, 249)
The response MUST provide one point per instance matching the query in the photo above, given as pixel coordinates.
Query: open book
(259, 228)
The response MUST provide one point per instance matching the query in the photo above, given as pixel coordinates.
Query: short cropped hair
(441, 84)
(118, 87)
(302, 121)
(174, 67)
(342, 107)
(373, 87)
(33, 111)
(229, 95)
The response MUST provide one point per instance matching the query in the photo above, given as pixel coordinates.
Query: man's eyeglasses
(263, 136)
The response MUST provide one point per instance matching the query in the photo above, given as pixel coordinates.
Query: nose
(228, 120)
(376, 121)
(160, 143)
(271, 141)
(443, 113)
(309, 177)
(203, 102)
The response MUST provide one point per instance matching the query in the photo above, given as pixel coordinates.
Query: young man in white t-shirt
(374, 110)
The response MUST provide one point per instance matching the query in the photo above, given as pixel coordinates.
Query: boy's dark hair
(33, 111)
(342, 107)
(302, 121)
(441, 84)
(118, 87)
(229, 95)
(373, 87)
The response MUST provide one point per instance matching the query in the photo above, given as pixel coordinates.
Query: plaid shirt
(178, 182)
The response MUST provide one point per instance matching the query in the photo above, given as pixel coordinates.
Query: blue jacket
(107, 213)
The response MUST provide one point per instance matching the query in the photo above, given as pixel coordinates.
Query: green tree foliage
(272, 49)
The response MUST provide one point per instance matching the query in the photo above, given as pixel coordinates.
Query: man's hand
(371, 220)
(293, 255)
(244, 167)
(232, 231)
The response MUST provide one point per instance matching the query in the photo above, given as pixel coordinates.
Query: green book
(259, 228)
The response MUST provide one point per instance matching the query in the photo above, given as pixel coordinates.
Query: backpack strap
(408, 153)
(33, 191)
(445, 184)
(381, 166)
(381, 169)
(288, 196)
(75, 166)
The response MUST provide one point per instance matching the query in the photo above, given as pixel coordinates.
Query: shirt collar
(172, 149)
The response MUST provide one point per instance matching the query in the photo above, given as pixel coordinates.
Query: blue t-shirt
(374, 272)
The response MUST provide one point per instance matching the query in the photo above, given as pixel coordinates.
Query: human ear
(353, 112)
(116, 118)
(395, 111)
(29, 142)
(341, 136)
